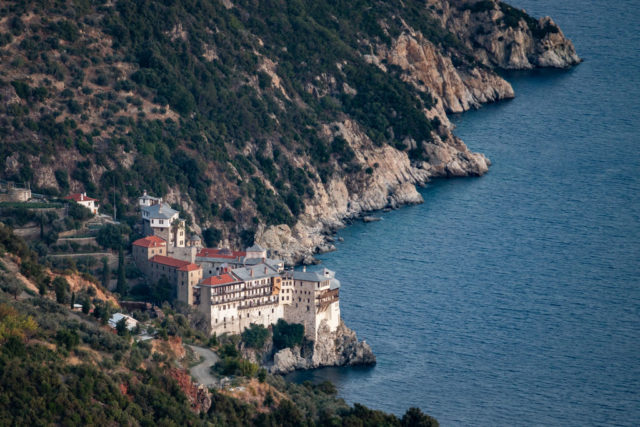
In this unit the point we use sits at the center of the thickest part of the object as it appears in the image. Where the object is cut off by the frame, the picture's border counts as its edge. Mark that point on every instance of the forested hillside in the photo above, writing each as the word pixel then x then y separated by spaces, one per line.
pixel 232 109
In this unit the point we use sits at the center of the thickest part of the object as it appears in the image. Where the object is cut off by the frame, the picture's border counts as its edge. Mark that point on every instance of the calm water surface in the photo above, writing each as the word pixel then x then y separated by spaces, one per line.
pixel 514 299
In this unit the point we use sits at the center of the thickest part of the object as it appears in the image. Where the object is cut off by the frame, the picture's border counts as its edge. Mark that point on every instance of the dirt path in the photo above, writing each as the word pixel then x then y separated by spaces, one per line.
pixel 201 372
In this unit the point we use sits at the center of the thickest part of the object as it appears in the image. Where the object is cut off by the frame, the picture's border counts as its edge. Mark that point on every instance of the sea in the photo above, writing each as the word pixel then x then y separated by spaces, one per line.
pixel 514 298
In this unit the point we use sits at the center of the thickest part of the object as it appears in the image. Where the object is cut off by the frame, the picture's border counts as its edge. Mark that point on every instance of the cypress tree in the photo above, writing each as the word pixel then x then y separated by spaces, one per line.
pixel 121 286
pixel 106 273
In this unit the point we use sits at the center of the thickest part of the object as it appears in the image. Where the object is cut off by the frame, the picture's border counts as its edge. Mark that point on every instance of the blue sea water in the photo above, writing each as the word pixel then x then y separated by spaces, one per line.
pixel 514 299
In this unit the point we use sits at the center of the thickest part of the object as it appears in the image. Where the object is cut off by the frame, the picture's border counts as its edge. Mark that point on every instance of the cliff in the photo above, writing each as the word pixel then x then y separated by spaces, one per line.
pixel 339 348
pixel 502 36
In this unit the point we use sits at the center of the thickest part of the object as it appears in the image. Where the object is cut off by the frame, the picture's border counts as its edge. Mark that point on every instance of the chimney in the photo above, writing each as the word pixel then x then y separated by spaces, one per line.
pixel 265 269
pixel 251 272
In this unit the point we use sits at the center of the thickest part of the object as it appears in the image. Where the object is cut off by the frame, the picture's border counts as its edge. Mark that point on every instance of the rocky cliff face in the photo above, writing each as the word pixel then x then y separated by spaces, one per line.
pixel 497 40
pixel 429 70
pixel 340 348
pixel 501 36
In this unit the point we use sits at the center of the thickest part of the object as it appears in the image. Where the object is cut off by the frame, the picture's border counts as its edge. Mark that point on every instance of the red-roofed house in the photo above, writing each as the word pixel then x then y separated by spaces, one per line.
pixel 87 202
pixel 223 279
pixel 145 248
pixel 183 274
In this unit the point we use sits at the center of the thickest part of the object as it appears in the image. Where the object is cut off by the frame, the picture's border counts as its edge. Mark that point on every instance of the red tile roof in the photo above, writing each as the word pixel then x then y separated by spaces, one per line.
pixel 168 261
pixel 190 267
pixel 175 263
pixel 80 197
pixel 223 279
pixel 150 242
pixel 218 253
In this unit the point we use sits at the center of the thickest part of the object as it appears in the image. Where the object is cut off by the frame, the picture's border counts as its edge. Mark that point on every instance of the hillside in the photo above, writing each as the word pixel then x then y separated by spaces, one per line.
pixel 272 121
pixel 60 366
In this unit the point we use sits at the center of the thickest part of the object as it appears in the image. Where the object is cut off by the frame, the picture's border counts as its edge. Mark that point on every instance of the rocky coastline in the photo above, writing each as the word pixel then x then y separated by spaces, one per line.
pixel 338 348
pixel 394 177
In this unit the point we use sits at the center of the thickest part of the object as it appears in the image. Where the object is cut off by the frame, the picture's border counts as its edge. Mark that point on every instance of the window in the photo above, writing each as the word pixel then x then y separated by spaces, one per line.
pixel 307 308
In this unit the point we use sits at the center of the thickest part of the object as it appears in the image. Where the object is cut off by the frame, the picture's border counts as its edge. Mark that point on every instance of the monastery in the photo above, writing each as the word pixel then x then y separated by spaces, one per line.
pixel 232 289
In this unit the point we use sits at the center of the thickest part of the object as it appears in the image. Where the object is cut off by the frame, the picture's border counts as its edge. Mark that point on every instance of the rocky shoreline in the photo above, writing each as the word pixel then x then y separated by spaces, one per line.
pixel 339 348
pixel 393 177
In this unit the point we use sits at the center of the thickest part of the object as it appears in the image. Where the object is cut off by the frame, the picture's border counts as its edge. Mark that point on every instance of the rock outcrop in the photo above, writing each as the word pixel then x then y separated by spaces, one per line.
pixel 340 348
pixel 499 35
pixel 429 70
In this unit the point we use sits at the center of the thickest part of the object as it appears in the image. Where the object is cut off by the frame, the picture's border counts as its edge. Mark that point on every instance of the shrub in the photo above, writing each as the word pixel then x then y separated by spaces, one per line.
pixel 61 287
pixel 287 334
pixel 211 237
pixel 67 338
pixel 110 236
pixel 79 212
pixel 255 336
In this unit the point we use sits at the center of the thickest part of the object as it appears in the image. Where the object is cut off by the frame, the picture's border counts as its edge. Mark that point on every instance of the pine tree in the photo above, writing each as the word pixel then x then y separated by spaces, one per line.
pixel 73 299
pixel 121 286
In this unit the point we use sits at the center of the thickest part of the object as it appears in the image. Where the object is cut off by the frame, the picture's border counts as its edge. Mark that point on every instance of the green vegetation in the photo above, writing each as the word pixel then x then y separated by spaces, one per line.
pixel 30 205
pixel 111 236
pixel 255 336
pixel 513 16
pixel 287 334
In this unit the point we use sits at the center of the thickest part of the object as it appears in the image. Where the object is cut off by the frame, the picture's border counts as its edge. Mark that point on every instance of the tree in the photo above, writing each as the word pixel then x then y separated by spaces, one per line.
pixel 11 285
pixel 175 226
pixel 67 338
pixel 86 305
pixel 121 327
pixel 121 286
pixel 102 311
pixel 110 236
pixel 287 334
pixel 255 336
pixel 60 286
pixel 163 291
pixel 415 417
pixel 42 285
pixel 73 300
pixel 211 237
pixel 78 212
pixel 262 375
pixel 106 273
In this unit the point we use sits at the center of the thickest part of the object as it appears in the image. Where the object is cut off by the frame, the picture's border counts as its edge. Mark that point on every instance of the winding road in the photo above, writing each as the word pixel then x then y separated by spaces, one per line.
pixel 201 372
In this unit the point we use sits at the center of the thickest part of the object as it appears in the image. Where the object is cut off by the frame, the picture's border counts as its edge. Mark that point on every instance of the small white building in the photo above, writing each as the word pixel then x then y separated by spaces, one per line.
pixel 131 322
pixel 147 200
pixel 87 202
pixel 161 220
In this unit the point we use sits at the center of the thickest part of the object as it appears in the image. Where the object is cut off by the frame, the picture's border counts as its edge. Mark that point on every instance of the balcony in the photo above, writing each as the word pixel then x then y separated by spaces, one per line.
pixel 253 304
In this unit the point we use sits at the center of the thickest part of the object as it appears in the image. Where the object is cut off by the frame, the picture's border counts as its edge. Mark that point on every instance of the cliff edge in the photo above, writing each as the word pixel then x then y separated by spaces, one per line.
pixel 339 348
